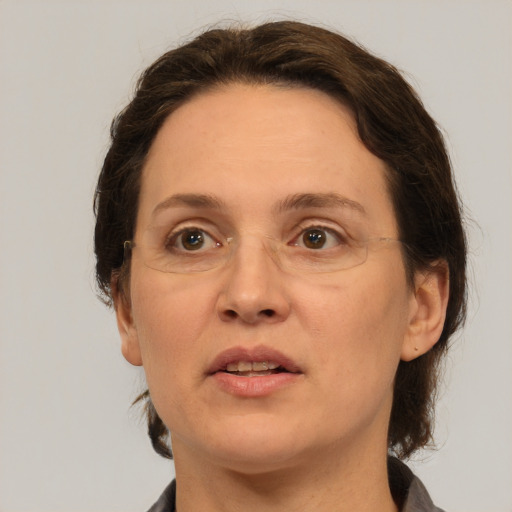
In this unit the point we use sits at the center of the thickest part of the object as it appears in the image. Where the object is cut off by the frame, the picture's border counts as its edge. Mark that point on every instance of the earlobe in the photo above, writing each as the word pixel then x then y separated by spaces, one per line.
pixel 129 338
pixel 427 311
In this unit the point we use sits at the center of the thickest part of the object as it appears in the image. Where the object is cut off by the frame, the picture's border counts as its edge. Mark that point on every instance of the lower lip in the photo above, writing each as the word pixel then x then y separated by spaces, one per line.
pixel 254 386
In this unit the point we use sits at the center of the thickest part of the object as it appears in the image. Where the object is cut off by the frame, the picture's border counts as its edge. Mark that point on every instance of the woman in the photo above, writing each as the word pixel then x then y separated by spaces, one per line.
pixel 279 233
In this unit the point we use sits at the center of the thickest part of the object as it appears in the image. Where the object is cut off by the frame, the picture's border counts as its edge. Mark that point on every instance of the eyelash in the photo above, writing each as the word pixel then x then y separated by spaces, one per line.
pixel 340 238
pixel 173 238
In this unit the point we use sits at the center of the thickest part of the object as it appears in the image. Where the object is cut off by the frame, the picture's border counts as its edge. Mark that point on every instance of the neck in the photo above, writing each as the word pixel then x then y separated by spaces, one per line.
pixel 321 482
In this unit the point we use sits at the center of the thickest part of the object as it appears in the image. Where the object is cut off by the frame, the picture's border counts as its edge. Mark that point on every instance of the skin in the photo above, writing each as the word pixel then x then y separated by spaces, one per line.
pixel 251 147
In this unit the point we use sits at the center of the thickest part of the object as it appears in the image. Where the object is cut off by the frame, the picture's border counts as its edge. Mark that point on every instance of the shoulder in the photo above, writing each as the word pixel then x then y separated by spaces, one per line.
pixel 418 499
pixel 166 502
pixel 407 489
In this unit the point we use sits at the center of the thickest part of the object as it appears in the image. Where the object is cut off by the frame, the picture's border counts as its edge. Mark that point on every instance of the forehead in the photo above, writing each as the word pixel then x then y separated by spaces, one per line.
pixel 251 146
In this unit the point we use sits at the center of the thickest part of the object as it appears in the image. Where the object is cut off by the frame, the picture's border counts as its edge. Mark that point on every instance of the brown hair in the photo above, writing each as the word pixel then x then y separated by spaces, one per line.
pixel 392 123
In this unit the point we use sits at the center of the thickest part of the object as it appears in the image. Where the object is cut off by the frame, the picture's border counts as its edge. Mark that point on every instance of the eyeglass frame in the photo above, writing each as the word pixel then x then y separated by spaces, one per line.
pixel 129 245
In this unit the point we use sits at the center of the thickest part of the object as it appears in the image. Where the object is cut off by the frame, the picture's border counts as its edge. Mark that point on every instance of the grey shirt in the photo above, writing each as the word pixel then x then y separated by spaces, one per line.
pixel 407 490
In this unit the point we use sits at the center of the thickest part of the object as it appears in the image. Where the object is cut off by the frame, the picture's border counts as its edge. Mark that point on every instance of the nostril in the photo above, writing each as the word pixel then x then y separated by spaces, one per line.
pixel 268 312
pixel 230 313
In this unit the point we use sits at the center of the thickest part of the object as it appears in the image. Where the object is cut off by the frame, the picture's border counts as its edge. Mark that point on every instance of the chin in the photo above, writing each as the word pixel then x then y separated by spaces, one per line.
pixel 255 460
pixel 252 445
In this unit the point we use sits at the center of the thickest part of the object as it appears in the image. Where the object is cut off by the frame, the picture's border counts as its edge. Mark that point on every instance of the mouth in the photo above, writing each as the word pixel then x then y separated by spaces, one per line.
pixel 256 362
pixel 254 368
pixel 253 373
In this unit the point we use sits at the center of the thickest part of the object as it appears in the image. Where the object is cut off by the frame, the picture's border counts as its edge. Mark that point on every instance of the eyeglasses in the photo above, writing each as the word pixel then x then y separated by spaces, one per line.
pixel 316 250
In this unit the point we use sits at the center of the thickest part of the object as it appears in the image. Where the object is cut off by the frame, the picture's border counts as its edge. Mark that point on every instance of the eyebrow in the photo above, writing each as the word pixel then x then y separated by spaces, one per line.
pixel 190 200
pixel 292 202
pixel 320 200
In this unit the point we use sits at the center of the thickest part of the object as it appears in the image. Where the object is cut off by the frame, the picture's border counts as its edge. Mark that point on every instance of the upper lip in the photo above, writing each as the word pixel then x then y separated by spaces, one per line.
pixel 255 354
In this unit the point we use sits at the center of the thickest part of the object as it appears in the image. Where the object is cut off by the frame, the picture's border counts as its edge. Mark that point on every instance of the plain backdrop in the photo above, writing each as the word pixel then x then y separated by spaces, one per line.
pixel 69 441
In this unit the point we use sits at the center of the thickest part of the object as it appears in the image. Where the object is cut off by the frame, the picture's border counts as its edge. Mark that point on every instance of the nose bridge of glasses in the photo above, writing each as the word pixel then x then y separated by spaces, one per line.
pixel 251 246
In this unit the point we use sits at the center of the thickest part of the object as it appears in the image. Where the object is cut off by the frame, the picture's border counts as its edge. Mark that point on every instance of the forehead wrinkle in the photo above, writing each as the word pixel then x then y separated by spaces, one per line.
pixel 318 200
pixel 191 200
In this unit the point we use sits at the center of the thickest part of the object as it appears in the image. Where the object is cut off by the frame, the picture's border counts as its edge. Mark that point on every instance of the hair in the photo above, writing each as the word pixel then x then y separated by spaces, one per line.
pixel 392 123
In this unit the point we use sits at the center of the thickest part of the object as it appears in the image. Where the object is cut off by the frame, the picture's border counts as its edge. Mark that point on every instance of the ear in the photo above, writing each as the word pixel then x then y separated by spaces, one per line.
pixel 427 311
pixel 130 347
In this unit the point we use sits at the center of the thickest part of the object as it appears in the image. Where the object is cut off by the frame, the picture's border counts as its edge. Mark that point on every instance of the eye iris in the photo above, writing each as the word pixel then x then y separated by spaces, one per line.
pixel 192 240
pixel 314 239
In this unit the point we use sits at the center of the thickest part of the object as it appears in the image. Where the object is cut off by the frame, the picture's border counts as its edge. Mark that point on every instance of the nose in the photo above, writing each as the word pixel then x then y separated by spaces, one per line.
pixel 254 288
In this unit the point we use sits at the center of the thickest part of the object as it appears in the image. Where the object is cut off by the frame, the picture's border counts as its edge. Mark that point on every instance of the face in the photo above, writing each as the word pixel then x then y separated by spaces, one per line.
pixel 267 177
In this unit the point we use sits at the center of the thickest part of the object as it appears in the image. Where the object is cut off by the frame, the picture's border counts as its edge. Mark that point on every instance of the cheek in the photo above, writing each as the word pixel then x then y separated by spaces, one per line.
pixel 352 327
pixel 359 322
pixel 169 315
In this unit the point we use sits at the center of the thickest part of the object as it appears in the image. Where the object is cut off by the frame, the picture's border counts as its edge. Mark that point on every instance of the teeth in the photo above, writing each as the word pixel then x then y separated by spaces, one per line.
pixel 259 367
pixel 248 366
pixel 244 366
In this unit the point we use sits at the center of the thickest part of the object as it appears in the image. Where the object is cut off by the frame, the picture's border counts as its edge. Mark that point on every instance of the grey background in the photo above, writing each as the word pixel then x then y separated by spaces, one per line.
pixel 68 439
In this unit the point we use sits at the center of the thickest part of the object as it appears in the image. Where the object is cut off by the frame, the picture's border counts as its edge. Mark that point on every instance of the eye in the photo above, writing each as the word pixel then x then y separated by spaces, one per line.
pixel 318 237
pixel 191 239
